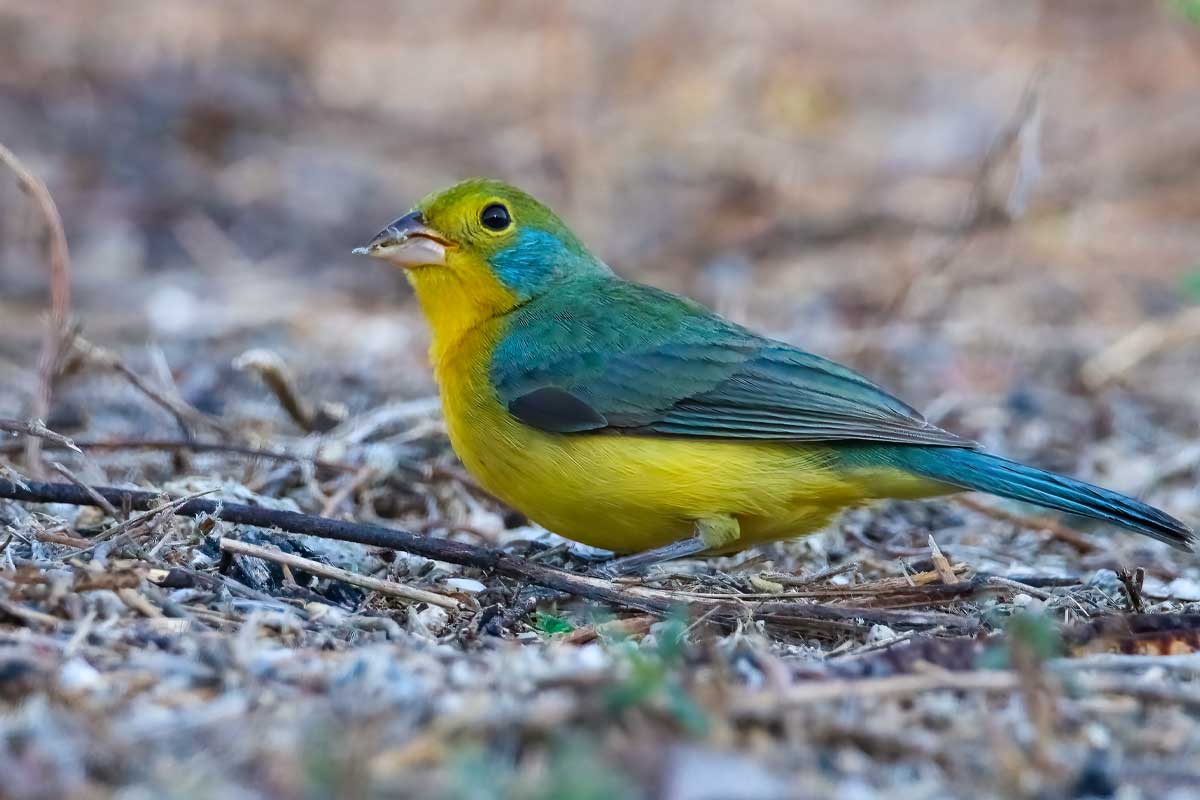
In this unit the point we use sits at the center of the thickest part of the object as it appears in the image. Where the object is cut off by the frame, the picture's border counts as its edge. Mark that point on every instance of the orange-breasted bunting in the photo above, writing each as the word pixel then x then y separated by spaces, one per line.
pixel 631 419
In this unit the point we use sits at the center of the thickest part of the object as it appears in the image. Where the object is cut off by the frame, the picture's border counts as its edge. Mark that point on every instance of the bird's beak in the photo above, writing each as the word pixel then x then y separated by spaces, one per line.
pixel 408 242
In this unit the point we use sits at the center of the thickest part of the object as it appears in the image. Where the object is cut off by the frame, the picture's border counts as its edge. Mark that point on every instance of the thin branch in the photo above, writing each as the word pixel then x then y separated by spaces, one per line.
pixel 391 588
pixel 101 501
pixel 820 618
pixel 58 331
pixel 1001 582
pixel 978 211
pixel 11 474
pixel 28 615
pixel 273 371
pixel 153 510
pixel 1145 341
pixel 185 415
pixel 822 576
pixel 349 488
pixel 36 428
pixel 630 626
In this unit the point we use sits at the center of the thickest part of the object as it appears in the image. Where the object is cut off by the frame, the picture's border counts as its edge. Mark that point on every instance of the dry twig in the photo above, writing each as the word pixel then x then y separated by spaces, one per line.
pixel 37 428
pixel 273 371
pixel 28 615
pixel 154 511
pixel 941 563
pixel 630 626
pixel 820 576
pixel 100 499
pixel 769 705
pixel 391 588
pixel 346 490
pixel 978 212
pixel 766 705
pixel 1131 581
pixel 185 415
pixel 1145 341
pixel 58 331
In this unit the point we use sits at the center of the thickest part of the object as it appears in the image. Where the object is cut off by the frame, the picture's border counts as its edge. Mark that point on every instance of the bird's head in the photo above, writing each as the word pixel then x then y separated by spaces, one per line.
pixel 481 248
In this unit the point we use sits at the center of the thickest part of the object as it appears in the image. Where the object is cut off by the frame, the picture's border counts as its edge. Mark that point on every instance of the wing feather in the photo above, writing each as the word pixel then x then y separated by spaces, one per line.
pixel 627 358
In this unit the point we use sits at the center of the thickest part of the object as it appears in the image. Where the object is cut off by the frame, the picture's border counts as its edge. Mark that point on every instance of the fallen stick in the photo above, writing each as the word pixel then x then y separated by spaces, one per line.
pixel 185 415
pixel 273 371
pixel 36 429
pixel 1143 342
pixel 336 573
pixel 92 493
pixel 633 626
pixel 28 615
pixel 812 616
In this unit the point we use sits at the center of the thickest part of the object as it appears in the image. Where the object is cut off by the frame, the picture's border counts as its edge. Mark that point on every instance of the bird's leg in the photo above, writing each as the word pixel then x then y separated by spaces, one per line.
pixel 712 533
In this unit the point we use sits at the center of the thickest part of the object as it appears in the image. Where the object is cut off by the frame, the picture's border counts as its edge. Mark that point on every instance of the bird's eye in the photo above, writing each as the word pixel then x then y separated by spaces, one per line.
pixel 495 217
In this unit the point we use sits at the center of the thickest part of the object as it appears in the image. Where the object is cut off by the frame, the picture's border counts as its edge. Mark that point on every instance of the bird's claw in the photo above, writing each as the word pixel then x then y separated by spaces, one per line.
pixel 711 533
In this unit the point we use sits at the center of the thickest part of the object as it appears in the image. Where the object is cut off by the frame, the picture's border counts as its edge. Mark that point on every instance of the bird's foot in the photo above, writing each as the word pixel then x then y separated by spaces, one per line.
pixel 712 533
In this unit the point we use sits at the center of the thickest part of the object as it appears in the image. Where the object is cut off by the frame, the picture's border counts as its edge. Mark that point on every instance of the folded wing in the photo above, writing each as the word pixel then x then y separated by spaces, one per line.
pixel 620 357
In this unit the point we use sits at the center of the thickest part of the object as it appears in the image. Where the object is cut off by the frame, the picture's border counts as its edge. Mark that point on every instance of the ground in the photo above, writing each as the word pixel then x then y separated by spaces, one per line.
pixel 990 208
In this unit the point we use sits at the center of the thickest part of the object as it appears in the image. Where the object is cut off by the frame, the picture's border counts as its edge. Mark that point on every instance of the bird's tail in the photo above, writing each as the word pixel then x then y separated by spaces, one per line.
pixel 978 471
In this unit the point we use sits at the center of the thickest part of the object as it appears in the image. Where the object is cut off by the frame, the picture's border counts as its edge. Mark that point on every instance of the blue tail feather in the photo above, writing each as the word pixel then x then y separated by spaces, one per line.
pixel 979 471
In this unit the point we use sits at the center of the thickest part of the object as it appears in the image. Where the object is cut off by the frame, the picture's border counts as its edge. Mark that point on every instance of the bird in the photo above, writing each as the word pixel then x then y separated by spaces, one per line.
pixel 631 419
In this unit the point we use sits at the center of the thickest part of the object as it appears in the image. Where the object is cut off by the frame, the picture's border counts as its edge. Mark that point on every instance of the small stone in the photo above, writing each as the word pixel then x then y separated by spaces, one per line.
pixel 880 633
pixel 1184 589
pixel 766 586
pixel 462 675
pixel 434 618
pixel 327 614
pixel 695 774
pixel 469 585
pixel 78 676
pixel 1022 600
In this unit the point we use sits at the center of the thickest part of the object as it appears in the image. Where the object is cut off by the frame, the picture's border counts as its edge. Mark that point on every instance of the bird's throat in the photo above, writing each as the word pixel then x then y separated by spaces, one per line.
pixel 457 302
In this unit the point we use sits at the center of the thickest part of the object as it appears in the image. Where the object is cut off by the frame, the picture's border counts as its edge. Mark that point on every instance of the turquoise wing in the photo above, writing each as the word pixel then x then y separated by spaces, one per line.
pixel 615 356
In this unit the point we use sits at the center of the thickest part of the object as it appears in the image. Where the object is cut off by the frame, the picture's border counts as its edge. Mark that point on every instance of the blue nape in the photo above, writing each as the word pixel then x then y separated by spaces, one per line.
pixel 537 258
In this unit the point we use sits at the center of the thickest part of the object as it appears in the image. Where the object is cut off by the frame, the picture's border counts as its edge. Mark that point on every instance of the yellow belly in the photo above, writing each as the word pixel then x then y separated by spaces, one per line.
pixel 629 493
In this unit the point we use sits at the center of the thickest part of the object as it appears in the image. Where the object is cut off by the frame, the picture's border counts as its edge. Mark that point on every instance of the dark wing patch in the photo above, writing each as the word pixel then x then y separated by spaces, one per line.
pixel 556 410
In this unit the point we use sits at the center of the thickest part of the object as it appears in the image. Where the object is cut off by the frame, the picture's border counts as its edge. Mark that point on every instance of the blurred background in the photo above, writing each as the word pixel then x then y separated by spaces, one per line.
pixel 797 166
pixel 992 208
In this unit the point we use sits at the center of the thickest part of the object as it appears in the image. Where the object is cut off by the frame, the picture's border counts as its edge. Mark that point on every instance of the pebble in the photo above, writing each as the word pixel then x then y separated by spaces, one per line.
pixel 880 633
pixel 469 585
pixel 77 675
